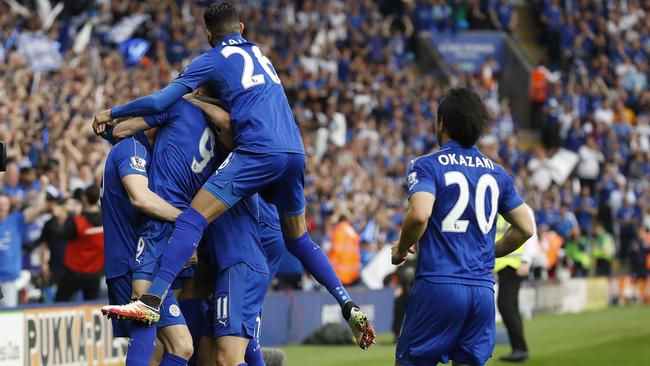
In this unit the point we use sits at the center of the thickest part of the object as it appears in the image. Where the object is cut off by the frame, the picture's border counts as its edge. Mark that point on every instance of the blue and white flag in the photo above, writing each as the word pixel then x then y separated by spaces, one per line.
pixel 125 28
pixel 41 53
pixel 133 50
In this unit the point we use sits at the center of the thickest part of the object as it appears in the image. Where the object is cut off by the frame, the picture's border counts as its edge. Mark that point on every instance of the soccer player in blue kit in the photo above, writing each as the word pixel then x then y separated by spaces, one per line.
pixel 269 158
pixel 126 201
pixel 185 155
pixel 455 195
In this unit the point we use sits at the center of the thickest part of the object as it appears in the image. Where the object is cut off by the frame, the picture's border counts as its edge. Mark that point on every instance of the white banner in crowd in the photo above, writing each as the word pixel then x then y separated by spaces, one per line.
pixel 373 273
pixel 41 53
pixel 125 28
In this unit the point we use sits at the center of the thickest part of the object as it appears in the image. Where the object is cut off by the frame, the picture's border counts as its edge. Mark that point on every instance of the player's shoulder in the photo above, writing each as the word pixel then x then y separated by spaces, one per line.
pixel 135 145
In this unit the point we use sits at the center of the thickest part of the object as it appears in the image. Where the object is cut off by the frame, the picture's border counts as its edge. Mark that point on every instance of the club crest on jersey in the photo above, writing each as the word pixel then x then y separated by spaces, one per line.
pixel 412 179
pixel 174 310
pixel 138 163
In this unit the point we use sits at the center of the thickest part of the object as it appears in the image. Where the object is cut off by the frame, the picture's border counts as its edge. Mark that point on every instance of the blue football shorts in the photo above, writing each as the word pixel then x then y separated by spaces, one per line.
pixel 278 177
pixel 153 241
pixel 119 293
pixel 447 322
pixel 236 306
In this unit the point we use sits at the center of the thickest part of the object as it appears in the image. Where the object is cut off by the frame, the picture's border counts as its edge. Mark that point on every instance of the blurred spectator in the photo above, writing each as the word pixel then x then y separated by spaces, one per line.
pixel 586 209
pixel 84 252
pixel 640 252
pixel 345 254
pixel 12 229
pixel 603 250
pixel 590 159
pixel 504 16
pixel 628 217
pixel 52 263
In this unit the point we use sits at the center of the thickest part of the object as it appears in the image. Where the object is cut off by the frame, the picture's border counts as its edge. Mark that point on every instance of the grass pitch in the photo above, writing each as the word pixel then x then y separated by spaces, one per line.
pixel 616 336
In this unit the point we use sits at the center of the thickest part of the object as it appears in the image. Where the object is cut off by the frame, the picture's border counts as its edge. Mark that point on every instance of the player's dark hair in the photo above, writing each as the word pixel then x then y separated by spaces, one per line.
pixel 92 194
pixel 463 115
pixel 221 19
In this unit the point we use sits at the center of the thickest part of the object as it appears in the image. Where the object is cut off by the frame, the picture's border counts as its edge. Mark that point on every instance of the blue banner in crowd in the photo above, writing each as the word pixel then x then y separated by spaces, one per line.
pixel 41 53
pixel 469 50
pixel 290 316
pixel 133 49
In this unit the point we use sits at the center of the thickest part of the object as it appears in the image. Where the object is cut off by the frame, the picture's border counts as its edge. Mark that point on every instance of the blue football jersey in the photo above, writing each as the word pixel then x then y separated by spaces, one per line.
pixel 183 155
pixel 469 190
pixel 234 237
pixel 250 90
pixel 269 215
pixel 121 220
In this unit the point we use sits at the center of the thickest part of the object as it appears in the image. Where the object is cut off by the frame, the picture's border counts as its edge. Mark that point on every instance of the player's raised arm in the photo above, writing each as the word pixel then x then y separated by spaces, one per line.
pixel 521 229
pixel 197 73
pixel 217 116
pixel 130 127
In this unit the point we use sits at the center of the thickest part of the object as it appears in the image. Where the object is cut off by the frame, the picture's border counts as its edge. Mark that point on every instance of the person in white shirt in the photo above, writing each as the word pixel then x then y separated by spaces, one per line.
pixel 590 160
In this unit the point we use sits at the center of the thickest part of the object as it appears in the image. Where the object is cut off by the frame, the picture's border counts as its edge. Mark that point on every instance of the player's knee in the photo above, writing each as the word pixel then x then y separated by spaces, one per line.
pixel 184 350
pixel 180 346
pixel 228 356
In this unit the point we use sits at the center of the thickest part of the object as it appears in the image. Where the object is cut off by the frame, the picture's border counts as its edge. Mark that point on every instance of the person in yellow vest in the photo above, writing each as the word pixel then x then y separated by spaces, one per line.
pixel 510 271
pixel 345 254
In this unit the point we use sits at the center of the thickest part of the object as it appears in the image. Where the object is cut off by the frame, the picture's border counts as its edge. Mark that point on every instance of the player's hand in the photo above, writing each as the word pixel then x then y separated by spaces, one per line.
pixel 398 257
pixel 194 260
pixel 189 96
pixel 101 120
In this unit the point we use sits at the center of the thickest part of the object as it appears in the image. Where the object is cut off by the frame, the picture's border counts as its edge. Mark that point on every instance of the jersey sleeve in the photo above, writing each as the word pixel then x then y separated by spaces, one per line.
pixel 420 178
pixel 509 199
pixel 197 73
pixel 132 159
pixel 157 119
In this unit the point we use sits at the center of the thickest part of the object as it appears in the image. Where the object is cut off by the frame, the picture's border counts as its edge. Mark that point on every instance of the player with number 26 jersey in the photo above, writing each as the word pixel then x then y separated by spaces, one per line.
pixel 242 77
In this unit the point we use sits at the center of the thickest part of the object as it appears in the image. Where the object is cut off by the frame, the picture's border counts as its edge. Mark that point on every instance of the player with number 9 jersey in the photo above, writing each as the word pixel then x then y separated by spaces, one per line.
pixel 454 197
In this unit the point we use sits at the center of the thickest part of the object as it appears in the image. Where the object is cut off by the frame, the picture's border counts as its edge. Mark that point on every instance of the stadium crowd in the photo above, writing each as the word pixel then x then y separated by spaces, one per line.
pixel 364 109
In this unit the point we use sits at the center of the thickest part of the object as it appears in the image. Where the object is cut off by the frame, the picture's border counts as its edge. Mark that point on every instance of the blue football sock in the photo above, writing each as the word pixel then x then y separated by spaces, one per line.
pixel 141 345
pixel 189 229
pixel 242 364
pixel 254 353
pixel 316 262
pixel 170 359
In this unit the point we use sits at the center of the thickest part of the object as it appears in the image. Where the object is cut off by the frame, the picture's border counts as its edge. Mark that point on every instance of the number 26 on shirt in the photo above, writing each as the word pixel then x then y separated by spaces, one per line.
pixel 248 80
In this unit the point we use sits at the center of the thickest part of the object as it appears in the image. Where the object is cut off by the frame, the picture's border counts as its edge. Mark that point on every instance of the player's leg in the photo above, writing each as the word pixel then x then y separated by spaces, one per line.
pixel 253 356
pixel 289 197
pixel 174 334
pixel 188 231
pixel 231 350
pixel 207 352
pixel 241 175
pixel 142 337
pixel 235 309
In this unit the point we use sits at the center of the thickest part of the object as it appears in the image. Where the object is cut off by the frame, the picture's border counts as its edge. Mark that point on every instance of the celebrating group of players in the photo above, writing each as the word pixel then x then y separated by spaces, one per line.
pixel 170 185
pixel 214 163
